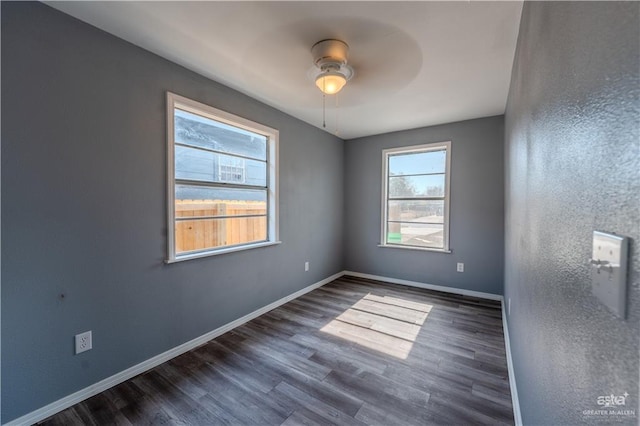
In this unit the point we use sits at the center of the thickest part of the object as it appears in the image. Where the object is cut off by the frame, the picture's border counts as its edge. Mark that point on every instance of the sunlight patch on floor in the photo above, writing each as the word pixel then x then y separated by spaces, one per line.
pixel 386 324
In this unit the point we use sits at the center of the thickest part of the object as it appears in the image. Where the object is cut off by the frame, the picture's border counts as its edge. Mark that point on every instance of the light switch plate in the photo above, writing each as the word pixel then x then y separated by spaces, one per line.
pixel 609 271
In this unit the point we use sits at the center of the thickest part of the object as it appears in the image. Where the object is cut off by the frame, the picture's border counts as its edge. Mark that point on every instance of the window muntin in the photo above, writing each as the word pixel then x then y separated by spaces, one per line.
pixel 222 181
pixel 415 202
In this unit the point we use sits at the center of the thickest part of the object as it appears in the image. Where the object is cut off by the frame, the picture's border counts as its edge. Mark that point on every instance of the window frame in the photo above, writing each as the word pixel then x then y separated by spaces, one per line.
pixel 416 149
pixel 176 101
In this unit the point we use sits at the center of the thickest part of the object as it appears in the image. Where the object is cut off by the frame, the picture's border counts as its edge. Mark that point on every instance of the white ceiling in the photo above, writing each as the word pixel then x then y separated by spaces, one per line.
pixel 417 63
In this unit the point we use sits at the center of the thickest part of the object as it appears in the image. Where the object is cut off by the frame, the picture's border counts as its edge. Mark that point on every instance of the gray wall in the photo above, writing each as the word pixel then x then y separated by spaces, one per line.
pixel 477 208
pixel 572 166
pixel 83 209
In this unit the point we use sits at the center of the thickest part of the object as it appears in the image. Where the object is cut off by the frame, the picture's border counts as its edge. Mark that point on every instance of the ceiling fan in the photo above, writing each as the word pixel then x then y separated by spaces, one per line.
pixel 332 71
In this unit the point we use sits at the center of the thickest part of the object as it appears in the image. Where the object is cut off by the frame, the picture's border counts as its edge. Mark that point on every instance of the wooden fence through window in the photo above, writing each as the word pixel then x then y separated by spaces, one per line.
pixel 198 234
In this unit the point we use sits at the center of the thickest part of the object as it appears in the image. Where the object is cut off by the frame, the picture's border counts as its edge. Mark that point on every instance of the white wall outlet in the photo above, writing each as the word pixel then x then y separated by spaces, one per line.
pixel 306 266
pixel 460 267
pixel 83 342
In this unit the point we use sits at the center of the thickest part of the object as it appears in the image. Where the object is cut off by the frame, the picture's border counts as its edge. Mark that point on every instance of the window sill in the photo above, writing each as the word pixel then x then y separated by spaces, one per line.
pixel 222 251
pixel 437 250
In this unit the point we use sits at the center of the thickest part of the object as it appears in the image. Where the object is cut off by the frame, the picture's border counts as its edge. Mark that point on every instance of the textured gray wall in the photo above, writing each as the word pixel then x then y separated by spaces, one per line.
pixel 572 166
pixel 477 208
pixel 83 209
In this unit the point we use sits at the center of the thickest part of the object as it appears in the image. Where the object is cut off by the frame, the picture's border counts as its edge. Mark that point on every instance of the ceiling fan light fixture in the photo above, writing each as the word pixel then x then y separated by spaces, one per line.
pixel 331 82
pixel 330 59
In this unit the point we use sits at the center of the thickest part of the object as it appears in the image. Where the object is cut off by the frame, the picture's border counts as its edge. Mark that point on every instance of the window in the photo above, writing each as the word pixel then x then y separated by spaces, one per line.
pixel 415 199
pixel 222 181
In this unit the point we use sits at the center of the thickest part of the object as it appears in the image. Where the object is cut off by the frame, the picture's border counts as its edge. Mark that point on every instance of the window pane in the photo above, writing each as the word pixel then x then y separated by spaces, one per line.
pixel 195 130
pixel 203 201
pixel 417 163
pixel 416 186
pixel 206 208
pixel 211 233
pixel 255 173
pixel 196 164
pixel 431 211
pixel 415 234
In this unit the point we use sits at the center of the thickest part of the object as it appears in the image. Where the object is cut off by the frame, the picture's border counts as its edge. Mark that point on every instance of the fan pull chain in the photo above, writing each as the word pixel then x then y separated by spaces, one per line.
pixel 337 116
pixel 324 104
pixel 324 111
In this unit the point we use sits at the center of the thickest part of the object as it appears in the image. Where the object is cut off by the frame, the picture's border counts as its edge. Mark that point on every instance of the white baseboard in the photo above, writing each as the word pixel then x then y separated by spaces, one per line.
pixel 517 416
pixel 109 382
pixel 444 289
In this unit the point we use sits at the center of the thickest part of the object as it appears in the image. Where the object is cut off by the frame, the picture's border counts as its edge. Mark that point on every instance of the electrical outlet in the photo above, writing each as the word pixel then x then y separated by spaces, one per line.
pixel 83 342
pixel 460 267
pixel 306 266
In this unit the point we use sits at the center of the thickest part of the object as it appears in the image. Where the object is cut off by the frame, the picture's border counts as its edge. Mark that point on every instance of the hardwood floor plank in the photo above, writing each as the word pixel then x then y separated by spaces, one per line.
pixel 478 376
pixel 430 381
pixel 490 394
pixel 397 301
pixel 371 414
pixel 483 356
pixel 145 411
pixel 371 339
pixel 66 417
pixel 261 353
pixel 321 391
pixel 264 328
pixel 469 410
pixel 305 417
pixel 353 352
pixel 238 368
pixel 303 378
pixel 374 388
pixel 246 405
pixel 234 412
pixel 328 346
pixel 182 380
pixel 329 413
pixel 383 324
pixel 391 311
pixel 123 394
pixel 179 406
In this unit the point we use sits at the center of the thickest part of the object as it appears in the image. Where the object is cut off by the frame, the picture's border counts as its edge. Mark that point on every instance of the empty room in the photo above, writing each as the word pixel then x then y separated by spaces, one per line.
pixel 317 213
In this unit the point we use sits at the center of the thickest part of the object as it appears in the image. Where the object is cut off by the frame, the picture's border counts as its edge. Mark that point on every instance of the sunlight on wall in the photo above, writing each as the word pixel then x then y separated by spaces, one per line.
pixel 386 324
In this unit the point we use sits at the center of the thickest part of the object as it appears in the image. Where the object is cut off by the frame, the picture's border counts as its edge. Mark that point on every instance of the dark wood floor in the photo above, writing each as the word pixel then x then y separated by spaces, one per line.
pixel 353 352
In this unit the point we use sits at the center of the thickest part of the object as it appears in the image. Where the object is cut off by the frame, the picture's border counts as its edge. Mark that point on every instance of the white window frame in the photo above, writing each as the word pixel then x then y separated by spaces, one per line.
pixel 415 149
pixel 272 135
